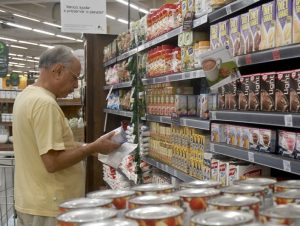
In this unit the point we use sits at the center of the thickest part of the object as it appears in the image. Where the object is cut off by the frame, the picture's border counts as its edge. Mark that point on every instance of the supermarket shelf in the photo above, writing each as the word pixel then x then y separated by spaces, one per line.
pixel 199 21
pixel 119 112
pixel 6 123
pixel 69 102
pixel 263 118
pixel 5 100
pixel 7 154
pixel 281 53
pixel 6 147
pixel 273 161
pixel 110 62
pixel 230 9
pixel 157 118
pixel 118 85
pixel 168 169
pixel 175 77
pixel 127 54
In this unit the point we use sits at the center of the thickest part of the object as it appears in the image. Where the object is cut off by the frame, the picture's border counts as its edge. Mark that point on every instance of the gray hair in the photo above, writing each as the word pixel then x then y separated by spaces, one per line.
pixel 58 55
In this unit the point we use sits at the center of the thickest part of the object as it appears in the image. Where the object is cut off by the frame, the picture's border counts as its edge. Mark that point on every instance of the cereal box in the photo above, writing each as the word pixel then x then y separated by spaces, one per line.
pixel 239 132
pixel 245 138
pixel 254 92
pixel 296 21
pixel 282 93
pixel 235 35
pixel 191 105
pixel 207 159
pixel 221 98
pixel 255 28
pixel 267 91
pixel 214 36
pixel 254 139
pixel 267 140
pixel 215 169
pixel 245 47
pixel 295 91
pixel 218 133
pixel 223 172
pixel 243 93
pixel 268 26
pixel 231 135
pixel 287 143
pixel 283 22
pixel 203 105
pixel 181 105
pixel 224 33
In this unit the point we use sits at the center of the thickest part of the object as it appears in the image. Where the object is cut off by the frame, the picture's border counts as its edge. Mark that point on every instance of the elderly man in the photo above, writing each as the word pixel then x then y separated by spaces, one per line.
pixel 48 167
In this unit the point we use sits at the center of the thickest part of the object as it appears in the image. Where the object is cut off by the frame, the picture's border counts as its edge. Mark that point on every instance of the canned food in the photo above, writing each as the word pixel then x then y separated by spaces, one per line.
pixel 258 181
pixel 80 216
pixel 259 224
pixel 82 203
pixel 147 189
pixel 282 214
pixel 286 185
pixel 285 197
pixel 222 218
pixel 161 199
pixel 157 215
pixel 113 222
pixel 231 202
pixel 200 184
pixel 120 197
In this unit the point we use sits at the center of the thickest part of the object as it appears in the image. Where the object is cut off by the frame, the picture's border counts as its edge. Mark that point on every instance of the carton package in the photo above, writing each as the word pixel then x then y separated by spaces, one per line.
pixel 191 5
pixel 295 91
pixel 245 138
pixel 245 45
pixel 181 105
pixel 254 92
pixel 191 105
pixel 254 139
pixel 243 93
pixel 267 91
pixel 231 96
pixel 221 98
pixel 203 105
pixel 224 33
pixel 235 35
pixel 215 169
pixel 212 102
pixel 207 159
pixel 214 36
pixel 282 93
pixel 255 28
pixel 296 21
pixel 287 143
pixel 267 141
pixel 283 22
pixel 297 153
pixel 223 172
pixel 218 133
pixel 268 35
pixel 184 7
pixel 231 133
pixel 239 133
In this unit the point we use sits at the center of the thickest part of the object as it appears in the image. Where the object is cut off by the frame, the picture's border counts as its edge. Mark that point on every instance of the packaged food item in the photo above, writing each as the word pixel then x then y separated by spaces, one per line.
pixel 255 28
pixel 282 93
pixel 235 35
pixel 191 105
pixel 284 22
pixel 223 172
pixel 231 96
pixel 245 42
pixel 231 135
pixel 224 33
pixel 214 37
pixel 267 140
pixel 184 7
pixel 82 203
pixel 295 91
pixel 245 138
pixel 267 91
pixel 153 189
pixel 287 185
pixel 120 133
pixel 181 105
pixel 254 139
pixel 268 35
pixel 221 98
pixel 296 21
pixel 147 200
pixel 215 169
pixel 218 133
pixel 286 197
pixel 254 92
pixel 202 7
pixel 203 106
pixel 287 143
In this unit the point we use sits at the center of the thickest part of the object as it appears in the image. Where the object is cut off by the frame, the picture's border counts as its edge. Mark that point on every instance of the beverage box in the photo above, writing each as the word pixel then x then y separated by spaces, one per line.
pixel 254 92
pixel 267 91
pixel 267 141
pixel 268 36
pixel 284 18
pixel 282 93
pixel 287 143
pixel 295 91
pixel 243 93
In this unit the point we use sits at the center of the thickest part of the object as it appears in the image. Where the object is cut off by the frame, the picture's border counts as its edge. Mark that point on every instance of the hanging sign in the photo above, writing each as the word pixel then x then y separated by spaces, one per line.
pixel 3 59
pixel 83 16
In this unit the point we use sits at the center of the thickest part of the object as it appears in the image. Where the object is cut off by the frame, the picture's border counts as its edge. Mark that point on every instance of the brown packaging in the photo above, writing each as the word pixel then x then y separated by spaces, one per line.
pixel 243 93
pixel 282 92
pixel 221 98
pixel 231 96
pixel 254 92
pixel 295 91
pixel 267 92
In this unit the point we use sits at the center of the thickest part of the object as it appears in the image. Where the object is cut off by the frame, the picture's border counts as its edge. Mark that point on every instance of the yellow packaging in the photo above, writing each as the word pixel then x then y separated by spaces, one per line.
pixel 296 21
pixel 283 22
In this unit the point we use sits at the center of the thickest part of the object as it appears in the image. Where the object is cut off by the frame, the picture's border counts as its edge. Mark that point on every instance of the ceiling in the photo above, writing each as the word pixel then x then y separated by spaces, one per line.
pixel 49 11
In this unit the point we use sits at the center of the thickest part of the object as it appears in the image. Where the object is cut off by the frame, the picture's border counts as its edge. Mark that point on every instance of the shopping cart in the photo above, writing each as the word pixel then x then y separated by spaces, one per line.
pixel 7 211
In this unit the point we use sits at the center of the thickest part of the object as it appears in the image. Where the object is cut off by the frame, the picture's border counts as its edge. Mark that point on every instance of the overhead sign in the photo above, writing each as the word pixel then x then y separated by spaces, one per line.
pixel 3 59
pixel 83 16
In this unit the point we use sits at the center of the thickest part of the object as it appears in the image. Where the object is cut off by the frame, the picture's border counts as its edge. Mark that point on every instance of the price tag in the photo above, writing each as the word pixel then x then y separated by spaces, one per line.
pixel 248 59
pixel 276 54
pixel 212 147
pixel 187 75
pixel 204 19
pixel 228 10
pixel 286 166
pixel 251 156
pixel 111 88
pixel 288 120
pixel 213 115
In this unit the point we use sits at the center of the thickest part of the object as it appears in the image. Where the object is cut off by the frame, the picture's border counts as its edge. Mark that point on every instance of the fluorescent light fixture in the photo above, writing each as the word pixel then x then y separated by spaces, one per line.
pixel 65 37
pixel 134 6
pixel 34 71
pixel 19 26
pixel 110 17
pixel 43 32
pixel 12 54
pixel 123 2
pixel 143 10
pixel 16 58
pixel 34 61
pixel 46 46
pixel 25 17
pixel 17 71
pixel 18 47
pixel 79 40
pixel 2 11
pixel 19 55
pixel 29 43
pixel 123 21
pixel 8 39
pixel 37 58
pixel 16 65
pixel 30 57
pixel 51 24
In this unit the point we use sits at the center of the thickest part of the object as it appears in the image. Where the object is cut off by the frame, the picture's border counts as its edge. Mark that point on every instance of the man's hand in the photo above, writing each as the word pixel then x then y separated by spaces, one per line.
pixel 104 145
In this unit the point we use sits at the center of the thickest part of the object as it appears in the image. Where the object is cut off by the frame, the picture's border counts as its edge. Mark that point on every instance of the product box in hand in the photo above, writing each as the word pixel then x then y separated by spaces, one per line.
pixel 181 105
pixel 224 33
pixel 254 139
pixel 218 133
pixel 284 21
pixel 282 93
pixel 296 21
pixel 268 23
pixel 267 141
pixel 287 143
pixel 231 96
pixel 221 98
pixel 191 105
pixel 243 93
pixel 295 91
pixel 255 28
pixel 214 36
pixel 267 91
pixel 245 45
pixel 235 35
pixel 254 92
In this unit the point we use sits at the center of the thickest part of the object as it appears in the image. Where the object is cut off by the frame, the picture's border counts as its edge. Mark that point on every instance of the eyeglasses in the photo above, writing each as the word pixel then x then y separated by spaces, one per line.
pixel 75 76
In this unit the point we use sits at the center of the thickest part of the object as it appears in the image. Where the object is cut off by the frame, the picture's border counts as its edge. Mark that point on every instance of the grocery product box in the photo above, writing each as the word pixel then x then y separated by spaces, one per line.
pixel 221 98
pixel 224 33
pixel 267 141
pixel 296 21
pixel 295 91
pixel 191 105
pixel 215 169
pixel 268 35
pixel 297 153
pixel 287 143
pixel 245 48
pixel 203 106
pixel 231 135
pixel 255 28
pixel 254 139
pixel 254 92
pixel 214 36
pixel 218 133
pixel 239 133
pixel 243 93
pixel 190 37
pixel 235 35
pixel 184 7
pixel 191 5
pixel 231 96
pixel 283 22
pixel 223 172
pixel 181 105
pixel 282 93
pixel 245 138
pixel 267 91
pixel 207 160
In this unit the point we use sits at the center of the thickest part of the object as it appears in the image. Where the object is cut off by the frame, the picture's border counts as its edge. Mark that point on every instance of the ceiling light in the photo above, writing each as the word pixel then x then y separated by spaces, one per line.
pixel 2 11
pixel 110 17
pixel 143 10
pixel 25 17
pixel 79 40
pixel 123 2
pixel 19 47
pixel 47 46
pixel 123 21
pixel 65 37
pixel 134 6
pixel 34 71
pixel 8 39
pixel 17 71
pixel 29 43
pixel 30 57
pixel 16 65
pixel 16 58
pixel 43 32
pixel 37 58
pixel 53 25
pixel 34 61
pixel 20 55
pixel 19 26
pixel 12 54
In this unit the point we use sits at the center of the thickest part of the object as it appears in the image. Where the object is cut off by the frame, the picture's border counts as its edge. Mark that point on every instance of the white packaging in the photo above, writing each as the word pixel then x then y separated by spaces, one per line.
pixel 223 172
pixel 215 169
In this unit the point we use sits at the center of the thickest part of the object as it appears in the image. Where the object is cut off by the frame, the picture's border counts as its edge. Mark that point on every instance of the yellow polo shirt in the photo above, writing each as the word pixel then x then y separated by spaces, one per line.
pixel 39 125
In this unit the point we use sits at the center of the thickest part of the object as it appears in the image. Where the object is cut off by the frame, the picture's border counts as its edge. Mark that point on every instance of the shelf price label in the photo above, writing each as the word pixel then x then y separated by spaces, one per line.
pixel 248 59
pixel 286 165
pixel 288 120
pixel 250 156
pixel 213 115
pixel 276 54
pixel 228 9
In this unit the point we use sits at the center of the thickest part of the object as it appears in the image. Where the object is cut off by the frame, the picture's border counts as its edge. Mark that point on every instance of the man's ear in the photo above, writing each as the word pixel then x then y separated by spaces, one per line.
pixel 57 69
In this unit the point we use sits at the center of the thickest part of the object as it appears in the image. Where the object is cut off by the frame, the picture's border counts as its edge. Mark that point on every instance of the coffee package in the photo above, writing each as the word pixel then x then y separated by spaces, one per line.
pixel 214 37
pixel 295 91
pixel 181 105
pixel 243 93
pixel 221 98
pixel 267 91
pixel 224 33
pixel 203 105
pixel 282 93
pixel 267 141
pixel 287 143
pixel 296 21
pixel 245 45
pixel 255 28
pixel 191 105
pixel 254 139
pixel 231 96
pixel 235 35
pixel 283 22
pixel 297 153
pixel 254 92
pixel 268 26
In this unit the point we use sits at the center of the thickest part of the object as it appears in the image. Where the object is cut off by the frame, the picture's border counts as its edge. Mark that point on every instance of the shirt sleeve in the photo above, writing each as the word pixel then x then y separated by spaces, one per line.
pixel 48 127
